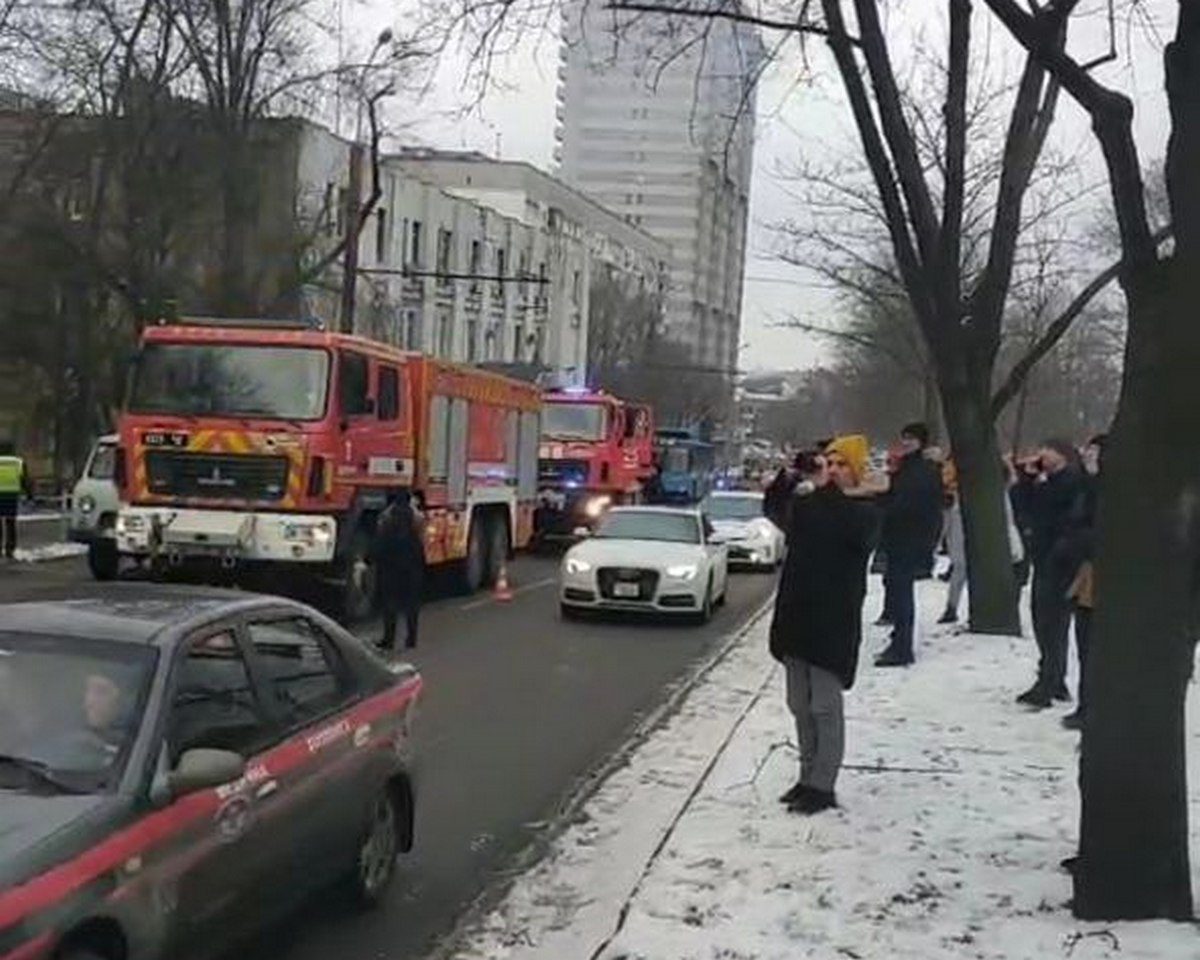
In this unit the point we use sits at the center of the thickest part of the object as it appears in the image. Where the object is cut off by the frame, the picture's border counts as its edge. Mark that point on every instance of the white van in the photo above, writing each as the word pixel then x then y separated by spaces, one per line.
pixel 94 505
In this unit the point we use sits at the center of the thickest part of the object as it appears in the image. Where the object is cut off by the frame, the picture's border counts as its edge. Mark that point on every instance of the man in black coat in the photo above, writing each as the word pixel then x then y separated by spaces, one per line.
pixel 1047 500
pixel 912 524
pixel 817 628
pixel 398 554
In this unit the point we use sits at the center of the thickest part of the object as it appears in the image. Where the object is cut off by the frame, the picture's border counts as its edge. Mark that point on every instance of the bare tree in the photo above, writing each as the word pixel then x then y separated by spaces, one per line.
pixel 1134 826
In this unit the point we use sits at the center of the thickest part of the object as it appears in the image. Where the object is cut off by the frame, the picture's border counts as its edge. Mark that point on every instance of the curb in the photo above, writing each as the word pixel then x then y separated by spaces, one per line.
pixel 587 785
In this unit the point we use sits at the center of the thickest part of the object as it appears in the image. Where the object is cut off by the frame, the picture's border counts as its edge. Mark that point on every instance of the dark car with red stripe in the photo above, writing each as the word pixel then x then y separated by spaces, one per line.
pixel 177 766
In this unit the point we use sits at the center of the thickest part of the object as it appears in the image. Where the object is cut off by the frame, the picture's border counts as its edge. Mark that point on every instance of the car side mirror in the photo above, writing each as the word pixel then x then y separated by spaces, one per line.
pixel 581 532
pixel 201 768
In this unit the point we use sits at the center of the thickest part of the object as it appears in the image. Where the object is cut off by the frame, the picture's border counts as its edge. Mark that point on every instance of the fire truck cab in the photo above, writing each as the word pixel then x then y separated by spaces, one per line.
pixel 596 451
pixel 276 445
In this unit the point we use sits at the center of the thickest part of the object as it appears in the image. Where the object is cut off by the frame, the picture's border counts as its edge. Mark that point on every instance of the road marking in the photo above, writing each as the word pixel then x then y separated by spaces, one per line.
pixel 485 600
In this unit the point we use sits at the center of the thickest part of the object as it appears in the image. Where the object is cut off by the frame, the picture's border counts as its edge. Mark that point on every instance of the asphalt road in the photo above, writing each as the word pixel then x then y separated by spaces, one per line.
pixel 518 707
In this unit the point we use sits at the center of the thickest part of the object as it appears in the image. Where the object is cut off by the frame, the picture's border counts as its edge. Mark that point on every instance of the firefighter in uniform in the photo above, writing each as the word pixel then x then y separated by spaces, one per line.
pixel 13 482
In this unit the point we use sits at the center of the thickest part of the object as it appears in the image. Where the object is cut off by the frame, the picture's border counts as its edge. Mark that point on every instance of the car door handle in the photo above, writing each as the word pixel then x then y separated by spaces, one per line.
pixel 266 789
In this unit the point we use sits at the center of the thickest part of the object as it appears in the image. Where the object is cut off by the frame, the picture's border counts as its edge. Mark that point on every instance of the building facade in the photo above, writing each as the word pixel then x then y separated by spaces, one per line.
pixel 660 130
pixel 471 259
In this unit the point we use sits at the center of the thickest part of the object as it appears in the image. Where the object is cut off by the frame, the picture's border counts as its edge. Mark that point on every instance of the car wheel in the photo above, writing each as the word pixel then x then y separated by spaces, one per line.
pixel 104 561
pixel 706 611
pixel 375 863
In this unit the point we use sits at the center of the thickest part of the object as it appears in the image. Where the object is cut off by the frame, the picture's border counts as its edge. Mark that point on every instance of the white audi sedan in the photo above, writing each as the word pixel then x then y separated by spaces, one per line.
pixel 646 559
pixel 738 521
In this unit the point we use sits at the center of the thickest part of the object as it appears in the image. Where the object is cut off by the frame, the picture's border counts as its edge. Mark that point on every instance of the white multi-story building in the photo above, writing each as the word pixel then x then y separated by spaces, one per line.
pixel 660 130
pixel 475 260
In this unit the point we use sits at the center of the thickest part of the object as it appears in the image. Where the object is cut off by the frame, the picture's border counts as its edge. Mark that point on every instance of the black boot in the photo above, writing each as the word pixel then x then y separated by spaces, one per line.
pixel 794 793
pixel 1035 696
pixel 950 616
pixel 814 801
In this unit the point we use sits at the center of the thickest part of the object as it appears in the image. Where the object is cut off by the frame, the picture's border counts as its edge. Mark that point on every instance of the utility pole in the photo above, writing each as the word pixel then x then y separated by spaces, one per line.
pixel 350 256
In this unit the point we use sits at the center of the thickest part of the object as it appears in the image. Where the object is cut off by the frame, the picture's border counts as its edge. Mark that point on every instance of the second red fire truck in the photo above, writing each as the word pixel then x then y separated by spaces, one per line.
pixel 596 451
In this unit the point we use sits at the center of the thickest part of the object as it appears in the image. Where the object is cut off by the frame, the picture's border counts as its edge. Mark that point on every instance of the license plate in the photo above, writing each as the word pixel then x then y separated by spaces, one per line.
pixel 165 438
pixel 627 590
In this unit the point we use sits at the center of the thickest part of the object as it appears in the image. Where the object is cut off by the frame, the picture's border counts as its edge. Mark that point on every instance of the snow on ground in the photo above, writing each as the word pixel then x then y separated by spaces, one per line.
pixel 49 551
pixel 957 806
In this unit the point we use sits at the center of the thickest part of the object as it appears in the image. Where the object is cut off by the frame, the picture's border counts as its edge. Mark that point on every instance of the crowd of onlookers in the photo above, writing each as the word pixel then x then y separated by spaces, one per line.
pixel 837 514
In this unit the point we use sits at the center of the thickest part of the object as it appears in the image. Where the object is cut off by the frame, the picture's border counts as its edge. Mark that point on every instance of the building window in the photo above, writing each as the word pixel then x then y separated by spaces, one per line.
pixel 329 211
pixel 412 330
pixel 501 264
pixel 576 287
pixel 476 264
pixel 539 345
pixel 343 206
pixel 518 343
pixel 445 335
pixel 414 247
pixel 472 340
pixel 445 254
pixel 380 236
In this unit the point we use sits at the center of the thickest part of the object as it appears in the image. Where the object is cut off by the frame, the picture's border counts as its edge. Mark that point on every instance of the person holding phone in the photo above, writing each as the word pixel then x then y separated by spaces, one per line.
pixel 816 631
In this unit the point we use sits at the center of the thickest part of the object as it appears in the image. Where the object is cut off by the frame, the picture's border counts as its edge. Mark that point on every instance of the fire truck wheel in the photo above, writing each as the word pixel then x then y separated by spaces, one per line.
pixel 497 548
pixel 474 565
pixel 358 593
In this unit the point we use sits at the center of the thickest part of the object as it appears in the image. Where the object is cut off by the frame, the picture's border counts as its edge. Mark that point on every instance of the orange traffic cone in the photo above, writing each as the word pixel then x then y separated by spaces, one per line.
pixel 503 592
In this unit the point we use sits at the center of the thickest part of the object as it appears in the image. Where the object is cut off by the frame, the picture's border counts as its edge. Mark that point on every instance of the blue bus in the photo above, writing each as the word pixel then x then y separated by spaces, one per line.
pixel 686 465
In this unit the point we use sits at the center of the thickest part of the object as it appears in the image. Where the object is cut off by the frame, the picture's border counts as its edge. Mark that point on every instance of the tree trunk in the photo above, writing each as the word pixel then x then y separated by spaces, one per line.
pixel 932 404
pixel 982 489
pixel 1133 766
pixel 1134 825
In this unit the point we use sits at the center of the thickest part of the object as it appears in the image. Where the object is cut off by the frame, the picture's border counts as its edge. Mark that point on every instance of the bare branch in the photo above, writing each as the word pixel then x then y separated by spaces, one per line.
pixel 1112 121
pixel 1057 329
pixel 799 26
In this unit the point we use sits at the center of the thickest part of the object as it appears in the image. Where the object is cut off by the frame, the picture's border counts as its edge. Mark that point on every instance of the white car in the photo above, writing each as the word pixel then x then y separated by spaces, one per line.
pixel 650 559
pixel 738 521
pixel 95 502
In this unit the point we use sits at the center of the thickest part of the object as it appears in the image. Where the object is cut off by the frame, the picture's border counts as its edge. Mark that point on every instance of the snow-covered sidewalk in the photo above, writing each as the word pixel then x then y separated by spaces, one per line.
pixel 957 806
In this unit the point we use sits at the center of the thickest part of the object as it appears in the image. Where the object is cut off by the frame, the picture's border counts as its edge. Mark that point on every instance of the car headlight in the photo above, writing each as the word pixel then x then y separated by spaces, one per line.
pixel 130 523
pixel 320 532
pixel 87 504
pixel 597 505
pixel 683 571
pixel 575 565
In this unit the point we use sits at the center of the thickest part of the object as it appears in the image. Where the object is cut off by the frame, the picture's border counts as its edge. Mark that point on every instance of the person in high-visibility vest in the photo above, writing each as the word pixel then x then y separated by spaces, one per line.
pixel 13 482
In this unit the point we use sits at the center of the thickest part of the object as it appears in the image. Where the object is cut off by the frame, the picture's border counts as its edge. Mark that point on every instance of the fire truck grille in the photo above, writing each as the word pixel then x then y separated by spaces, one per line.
pixel 216 476
pixel 563 471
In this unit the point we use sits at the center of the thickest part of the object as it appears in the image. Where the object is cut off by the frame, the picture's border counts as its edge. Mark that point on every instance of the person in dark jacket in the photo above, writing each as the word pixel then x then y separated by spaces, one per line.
pixel 398 554
pixel 817 628
pixel 1082 589
pixel 1047 500
pixel 912 524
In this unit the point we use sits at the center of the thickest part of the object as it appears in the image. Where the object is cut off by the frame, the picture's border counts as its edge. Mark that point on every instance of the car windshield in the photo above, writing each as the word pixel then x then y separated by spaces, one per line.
pixel 69 710
pixel 574 421
pixel 649 525
pixel 235 380
pixel 733 508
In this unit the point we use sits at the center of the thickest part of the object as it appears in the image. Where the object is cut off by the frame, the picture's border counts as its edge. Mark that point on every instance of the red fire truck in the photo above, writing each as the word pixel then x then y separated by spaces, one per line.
pixel 597 450
pixel 275 445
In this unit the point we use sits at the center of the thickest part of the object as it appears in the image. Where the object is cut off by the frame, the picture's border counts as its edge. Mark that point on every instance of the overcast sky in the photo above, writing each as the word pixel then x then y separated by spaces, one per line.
pixel 798 116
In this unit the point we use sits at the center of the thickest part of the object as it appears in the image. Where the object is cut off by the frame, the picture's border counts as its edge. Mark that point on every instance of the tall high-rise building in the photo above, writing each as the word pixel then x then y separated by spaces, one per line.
pixel 656 122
